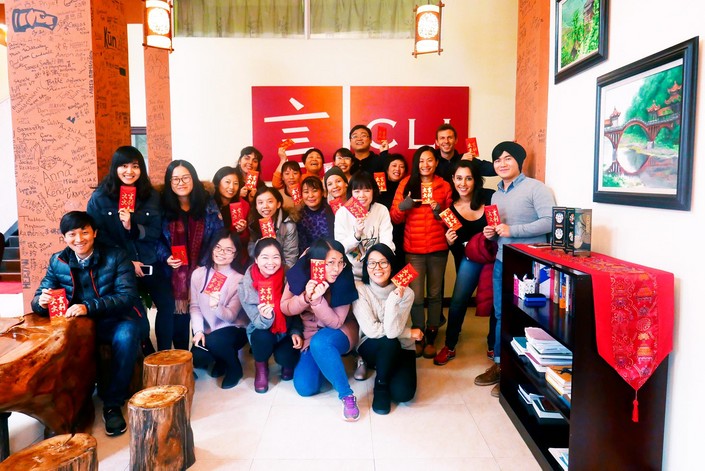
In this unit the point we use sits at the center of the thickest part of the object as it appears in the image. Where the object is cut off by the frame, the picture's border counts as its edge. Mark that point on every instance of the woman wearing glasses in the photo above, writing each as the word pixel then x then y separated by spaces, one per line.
pixel 346 161
pixel 216 314
pixel 191 219
pixel 383 312
pixel 329 329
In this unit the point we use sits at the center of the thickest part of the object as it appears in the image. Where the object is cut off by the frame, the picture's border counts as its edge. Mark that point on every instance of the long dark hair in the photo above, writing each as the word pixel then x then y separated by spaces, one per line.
pixel 476 197
pixel 223 172
pixel 235 264
pixel 255 216
pixel 247 151
pixel 414 183
pixel 126 155
pixel 198 197
pixel 384 250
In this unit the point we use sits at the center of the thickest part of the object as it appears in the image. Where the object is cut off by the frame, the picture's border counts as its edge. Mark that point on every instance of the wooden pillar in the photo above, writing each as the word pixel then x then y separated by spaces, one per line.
pixel 67 67
pixel 532 84
pixel 158 97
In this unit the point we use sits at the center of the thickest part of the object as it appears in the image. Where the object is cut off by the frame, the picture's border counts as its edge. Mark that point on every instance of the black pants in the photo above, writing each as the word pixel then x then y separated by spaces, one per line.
pixel 265 344
pixel 223 345
pixel 395 366
pixel 158 286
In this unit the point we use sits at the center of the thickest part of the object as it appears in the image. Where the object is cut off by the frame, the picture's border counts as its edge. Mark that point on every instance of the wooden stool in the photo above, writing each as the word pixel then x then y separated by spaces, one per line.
pixel 160 432
pixel 170 367
pixel 61 453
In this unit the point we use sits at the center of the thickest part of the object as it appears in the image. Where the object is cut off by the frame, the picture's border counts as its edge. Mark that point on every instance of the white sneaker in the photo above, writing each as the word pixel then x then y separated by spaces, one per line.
pixel 361 370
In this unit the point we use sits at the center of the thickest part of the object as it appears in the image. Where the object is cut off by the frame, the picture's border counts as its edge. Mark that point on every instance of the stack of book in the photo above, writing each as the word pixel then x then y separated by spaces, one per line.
pixel 542 407
pixel 561 455
pixel 560 378
pixel 519 345
pixel 543 351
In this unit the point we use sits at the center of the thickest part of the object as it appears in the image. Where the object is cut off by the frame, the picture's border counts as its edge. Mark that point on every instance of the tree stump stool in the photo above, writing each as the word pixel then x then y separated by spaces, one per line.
pixel 61 453
pixel 171 367
pixel 160 432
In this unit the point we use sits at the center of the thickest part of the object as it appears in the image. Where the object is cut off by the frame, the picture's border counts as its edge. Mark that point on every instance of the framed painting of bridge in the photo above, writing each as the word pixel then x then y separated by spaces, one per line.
pixel 644 130
pixel 580 36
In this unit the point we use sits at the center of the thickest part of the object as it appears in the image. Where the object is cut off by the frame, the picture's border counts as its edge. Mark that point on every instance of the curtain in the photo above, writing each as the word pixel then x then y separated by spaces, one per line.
pixel 363 18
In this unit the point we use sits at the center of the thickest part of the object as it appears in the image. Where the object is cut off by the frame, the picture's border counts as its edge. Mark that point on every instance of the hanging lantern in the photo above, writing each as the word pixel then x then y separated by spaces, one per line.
pixel 158 23
pixel 427 29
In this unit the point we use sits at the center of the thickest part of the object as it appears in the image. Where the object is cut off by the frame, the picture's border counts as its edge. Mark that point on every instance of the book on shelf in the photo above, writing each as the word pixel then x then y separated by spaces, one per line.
pixel 557 359
pixel 535 363
pixel 560 455
pixel 561 375
pixel 561 391
pixel 527 393
pixel 543 342
pixel 555 285
pixel 519 345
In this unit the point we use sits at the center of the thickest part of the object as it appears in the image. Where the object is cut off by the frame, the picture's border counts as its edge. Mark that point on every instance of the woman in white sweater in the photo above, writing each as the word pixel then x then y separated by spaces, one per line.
pixel 387 341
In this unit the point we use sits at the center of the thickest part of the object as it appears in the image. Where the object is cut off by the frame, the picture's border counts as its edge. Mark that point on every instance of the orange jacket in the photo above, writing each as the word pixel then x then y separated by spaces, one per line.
pixel 423 233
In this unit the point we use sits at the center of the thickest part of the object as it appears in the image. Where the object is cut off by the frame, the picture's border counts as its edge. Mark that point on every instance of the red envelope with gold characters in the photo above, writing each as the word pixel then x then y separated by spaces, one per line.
pixel 426 193
pixel 216 283
pixel 381 180
pixel 471 143
pixel 355 208
pixel 265 291
pixel 492 215
pixel 128 195
pixel 58 303
pixel 405 276
pixel 251 180
pixel 236 213
pixel 286 144
pixel 295 192
pixel 318 270
pixel 179 251
pixel 450 220
pixel 381 133
pixel 266 226
pixel 335 204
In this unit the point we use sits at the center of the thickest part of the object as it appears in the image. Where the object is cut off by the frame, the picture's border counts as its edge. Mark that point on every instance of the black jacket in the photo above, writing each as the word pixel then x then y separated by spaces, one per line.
pixel 108 284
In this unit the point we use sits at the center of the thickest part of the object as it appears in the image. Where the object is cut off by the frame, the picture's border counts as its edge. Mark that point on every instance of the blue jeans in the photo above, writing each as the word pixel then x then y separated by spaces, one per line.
pixel 465 284
pixel 497 288
pixel 322 360
pixel 124 337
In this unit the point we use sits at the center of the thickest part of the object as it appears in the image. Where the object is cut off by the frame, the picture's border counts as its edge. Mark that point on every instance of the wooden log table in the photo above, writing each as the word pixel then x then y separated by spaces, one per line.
pixel 60 453
pixel 48 370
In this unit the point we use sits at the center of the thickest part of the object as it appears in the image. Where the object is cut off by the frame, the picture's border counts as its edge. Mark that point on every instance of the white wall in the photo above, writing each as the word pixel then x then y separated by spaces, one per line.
pixel 660 238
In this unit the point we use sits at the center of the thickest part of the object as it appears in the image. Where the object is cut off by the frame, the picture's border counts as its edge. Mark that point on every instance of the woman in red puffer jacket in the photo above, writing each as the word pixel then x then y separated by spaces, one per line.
pixel 419 200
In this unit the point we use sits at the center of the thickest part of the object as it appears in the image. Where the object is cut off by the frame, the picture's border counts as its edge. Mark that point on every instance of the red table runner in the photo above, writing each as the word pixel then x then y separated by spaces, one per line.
pixel 633 312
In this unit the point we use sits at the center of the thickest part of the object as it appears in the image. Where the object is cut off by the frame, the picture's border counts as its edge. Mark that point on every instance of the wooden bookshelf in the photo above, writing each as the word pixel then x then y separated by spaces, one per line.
pixel 598 429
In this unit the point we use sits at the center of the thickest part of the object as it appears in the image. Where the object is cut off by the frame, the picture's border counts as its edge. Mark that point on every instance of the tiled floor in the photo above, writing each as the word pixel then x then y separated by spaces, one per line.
pixel 451 424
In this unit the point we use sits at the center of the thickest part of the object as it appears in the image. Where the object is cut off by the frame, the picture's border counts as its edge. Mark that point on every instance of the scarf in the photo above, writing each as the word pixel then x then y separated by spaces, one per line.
pixel 342 292
pixel 279 324
pixel 191 236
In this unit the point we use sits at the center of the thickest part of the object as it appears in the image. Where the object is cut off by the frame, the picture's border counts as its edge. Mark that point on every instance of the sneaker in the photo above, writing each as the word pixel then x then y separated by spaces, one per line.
pixel 495 391
pixel 350 410
pixel 361 370
pixel 444 356
pixel 489 377
pixel 114 421
pixel 490 354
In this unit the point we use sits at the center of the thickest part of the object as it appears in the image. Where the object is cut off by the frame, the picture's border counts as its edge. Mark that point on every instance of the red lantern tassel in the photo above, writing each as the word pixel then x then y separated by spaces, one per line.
pixel 635 410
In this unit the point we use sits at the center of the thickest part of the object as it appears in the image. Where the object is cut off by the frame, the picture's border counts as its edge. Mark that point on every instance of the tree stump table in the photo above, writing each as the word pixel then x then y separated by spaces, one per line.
pixel 60 453
pixel 171 367
pixel 160 432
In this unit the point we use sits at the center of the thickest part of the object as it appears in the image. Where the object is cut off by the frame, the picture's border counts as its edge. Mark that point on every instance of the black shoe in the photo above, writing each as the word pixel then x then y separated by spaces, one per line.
pixel 382 401
pixel 114 421
pixel 230 380
pixel 218 370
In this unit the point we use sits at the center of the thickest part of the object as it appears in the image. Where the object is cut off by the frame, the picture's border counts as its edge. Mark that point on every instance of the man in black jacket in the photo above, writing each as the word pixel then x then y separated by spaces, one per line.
pixel 100 283
pixel 448 156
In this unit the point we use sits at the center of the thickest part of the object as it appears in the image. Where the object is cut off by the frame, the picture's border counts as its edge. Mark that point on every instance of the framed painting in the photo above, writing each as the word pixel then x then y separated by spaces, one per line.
pixel 644 130
pixel 581 35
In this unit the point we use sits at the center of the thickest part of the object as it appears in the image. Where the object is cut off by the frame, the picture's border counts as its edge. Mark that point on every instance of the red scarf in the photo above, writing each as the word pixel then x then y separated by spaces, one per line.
pixel 279 324
pixel 181 277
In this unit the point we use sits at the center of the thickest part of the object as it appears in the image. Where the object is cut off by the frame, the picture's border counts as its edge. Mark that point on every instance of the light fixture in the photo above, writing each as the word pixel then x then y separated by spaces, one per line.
pixel 158 23
pixel 427 28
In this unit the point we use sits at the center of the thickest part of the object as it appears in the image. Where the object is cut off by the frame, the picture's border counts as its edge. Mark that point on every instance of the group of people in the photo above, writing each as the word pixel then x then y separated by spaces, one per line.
pixel 221 279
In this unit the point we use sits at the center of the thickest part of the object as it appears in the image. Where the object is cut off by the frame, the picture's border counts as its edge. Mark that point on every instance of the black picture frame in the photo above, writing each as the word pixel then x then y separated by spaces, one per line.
pixel 587 31
pixel 652 166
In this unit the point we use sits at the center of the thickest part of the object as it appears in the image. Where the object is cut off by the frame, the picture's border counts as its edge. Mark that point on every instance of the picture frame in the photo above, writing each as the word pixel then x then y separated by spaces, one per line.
pixel 580 36
pixel 645 128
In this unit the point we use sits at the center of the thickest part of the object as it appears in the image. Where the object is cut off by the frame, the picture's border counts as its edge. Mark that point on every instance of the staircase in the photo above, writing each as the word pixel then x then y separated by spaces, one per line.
pixel 10 266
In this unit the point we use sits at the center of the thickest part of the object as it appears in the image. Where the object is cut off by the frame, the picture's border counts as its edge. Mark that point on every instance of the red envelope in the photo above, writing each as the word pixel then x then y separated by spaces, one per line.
pixel 295 192
pixel 236 213
pixel 58 303
pixel 450 220
pixel 286 144
pixel 492 215
pixel 335 204
pixel 426 193
pixel 216 283
pixel 405 276
pixel 355 208
pixel 381 133
pixel 128 195
pixel 251 180
pixel 179 251
pixel 265 291
pixel 318 270
pixel 266 226
pixel 381 179
pixel 471 144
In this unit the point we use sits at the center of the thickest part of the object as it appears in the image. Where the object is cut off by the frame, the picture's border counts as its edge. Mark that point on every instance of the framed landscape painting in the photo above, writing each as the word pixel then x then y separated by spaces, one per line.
pixel 580 37
pixel 644 130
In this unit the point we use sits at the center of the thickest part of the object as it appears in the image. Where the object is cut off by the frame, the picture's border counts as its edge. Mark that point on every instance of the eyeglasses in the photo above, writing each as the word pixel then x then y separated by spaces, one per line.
pixel 340 157
pixel 227 251
pixel 339 265
pixel 383 264
pixel 363 135
pixel 184 179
